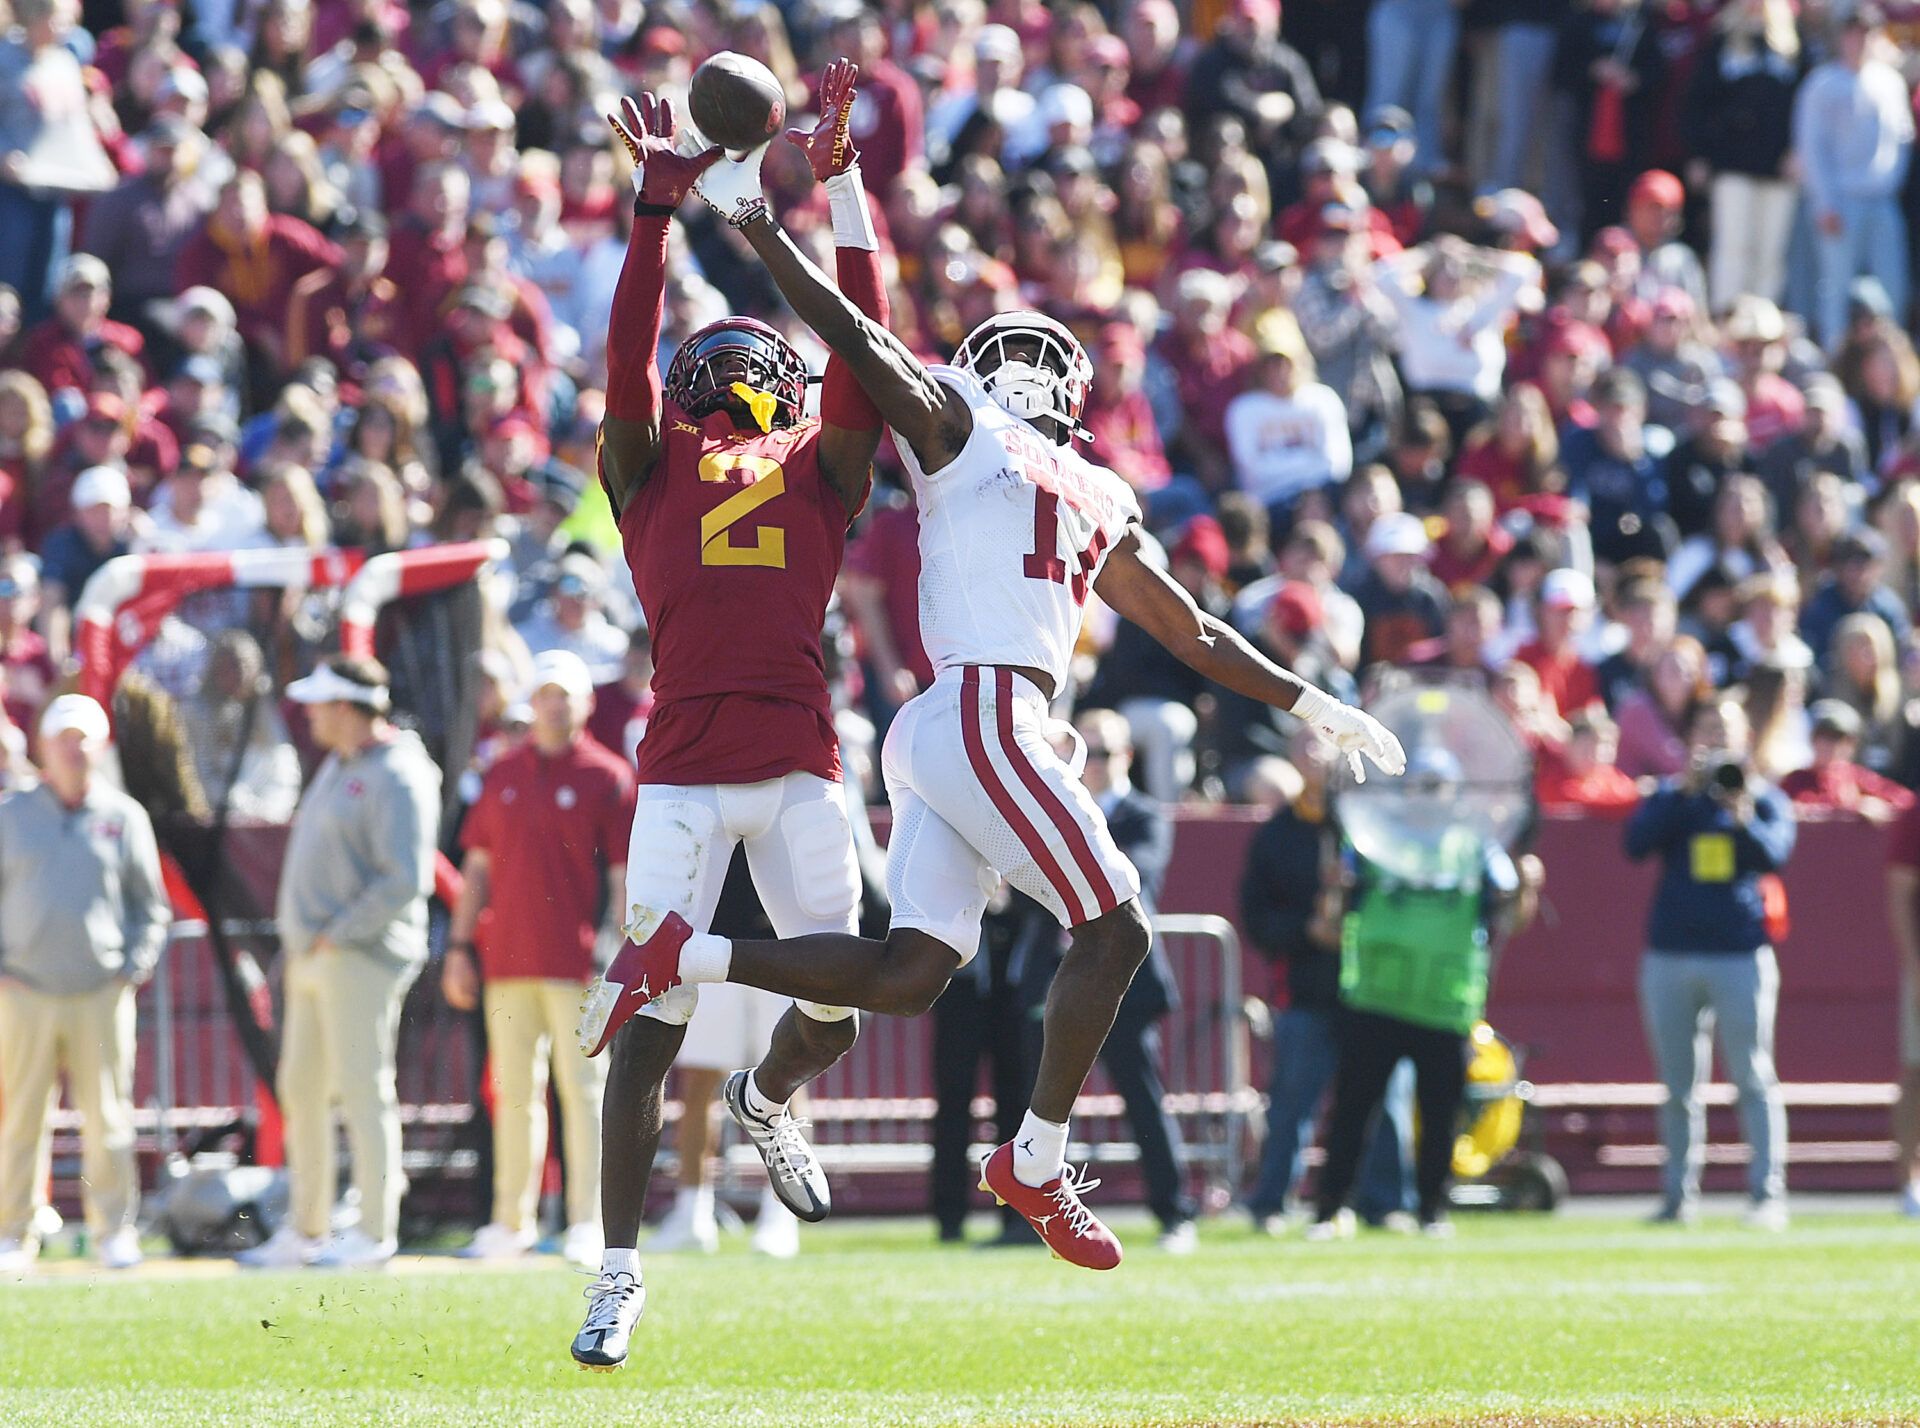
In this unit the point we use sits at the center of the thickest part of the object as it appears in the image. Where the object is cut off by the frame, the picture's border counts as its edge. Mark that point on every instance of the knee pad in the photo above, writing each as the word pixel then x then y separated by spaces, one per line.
pixel 813 1011
pixel 826 878
pixel 676 1007
pixel 667 855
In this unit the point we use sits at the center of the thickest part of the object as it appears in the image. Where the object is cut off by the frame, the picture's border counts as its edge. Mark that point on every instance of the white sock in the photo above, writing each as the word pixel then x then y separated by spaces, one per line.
pixel 705 958
pixel 1039 1151
pixel 696 1200
pixel 760 1106
pixel 772 1207
pixel 620 1261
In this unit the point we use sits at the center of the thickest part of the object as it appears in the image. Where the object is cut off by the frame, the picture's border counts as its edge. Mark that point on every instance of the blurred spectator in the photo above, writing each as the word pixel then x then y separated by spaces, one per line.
pixel 1248 71
pixel 1401 601
pixel 1858 561
pixel 1864 674
pixel 1290 904
pixel 1610 65
pixel 1853 131
pixel 1739 120
pixel 1672 361
pixel 1618 470
pixel 352 314
pixel 1516 454
pixel 1713 448
pixel 1287 433
pixel 139 229
pixel 1655 717
pixel 353 922
pixel 1757 333
pixel 1882 379
pixel 1646 610
pixel 1350 326
pixel 242 754
pixel 1764 633
pixel 60 352
pixel 1472 544
pixel 1565 606
pixel 1833 781
pixel 1721 834
pixel 96 533
pixel 545 865
pixel 1738 544
pixel 1584 777
pixel 573 618
pixel 1410 50
pixel 1655 205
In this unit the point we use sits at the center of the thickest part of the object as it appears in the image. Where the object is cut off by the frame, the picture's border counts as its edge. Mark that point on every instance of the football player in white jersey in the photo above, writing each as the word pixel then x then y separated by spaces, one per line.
pixel 1016 528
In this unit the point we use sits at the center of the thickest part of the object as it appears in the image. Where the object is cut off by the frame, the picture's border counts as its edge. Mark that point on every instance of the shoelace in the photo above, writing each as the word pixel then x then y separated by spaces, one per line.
pixel 788 1147
pixel 607 1295
pixel 1067 1196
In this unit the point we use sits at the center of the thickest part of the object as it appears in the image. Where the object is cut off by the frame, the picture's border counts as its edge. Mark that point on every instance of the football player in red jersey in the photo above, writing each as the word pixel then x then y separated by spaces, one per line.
pixel 733 509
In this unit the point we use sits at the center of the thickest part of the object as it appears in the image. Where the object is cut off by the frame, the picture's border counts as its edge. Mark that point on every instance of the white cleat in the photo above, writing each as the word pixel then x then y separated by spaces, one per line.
pixel 793 1170
pixel 17 1256
pixel 287 1249
pixel 1767 1215
pixel 120 1250
pixel 776 1233
pixel 355 1249
pixel 615 1302
pixel 1183 1238
pixel 1340 1227
pixel 495 1241
pixel 688 1226
pixel 583 1245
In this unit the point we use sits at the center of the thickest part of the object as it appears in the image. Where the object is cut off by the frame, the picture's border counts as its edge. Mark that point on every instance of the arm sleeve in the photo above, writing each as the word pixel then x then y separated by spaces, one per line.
pixel 403 833
pixel 843 401
pixel 633 330
pixel 146 909
pixel 1766 842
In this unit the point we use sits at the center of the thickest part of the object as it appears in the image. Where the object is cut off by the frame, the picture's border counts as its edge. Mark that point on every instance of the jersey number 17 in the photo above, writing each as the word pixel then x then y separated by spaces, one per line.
pixel 1045 562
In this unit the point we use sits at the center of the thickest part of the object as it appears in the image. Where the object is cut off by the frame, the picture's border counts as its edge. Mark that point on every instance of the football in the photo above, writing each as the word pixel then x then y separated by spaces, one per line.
pixel 736 102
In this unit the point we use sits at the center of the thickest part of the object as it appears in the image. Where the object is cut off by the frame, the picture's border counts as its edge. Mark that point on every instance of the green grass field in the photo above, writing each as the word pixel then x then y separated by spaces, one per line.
pixel 1517 1321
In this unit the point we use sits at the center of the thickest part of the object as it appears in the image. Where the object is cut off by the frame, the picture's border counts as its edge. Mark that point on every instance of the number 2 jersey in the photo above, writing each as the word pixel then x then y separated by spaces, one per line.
pixel 734 542
pixel 1013 533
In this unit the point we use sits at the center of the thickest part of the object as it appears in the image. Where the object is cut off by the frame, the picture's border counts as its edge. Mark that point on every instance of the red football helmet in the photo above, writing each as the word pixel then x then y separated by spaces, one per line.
pixel 737 349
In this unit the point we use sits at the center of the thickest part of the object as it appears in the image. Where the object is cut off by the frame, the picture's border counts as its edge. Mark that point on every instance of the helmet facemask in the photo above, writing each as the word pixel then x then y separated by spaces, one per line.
pixel 1032 367
pixel 742 367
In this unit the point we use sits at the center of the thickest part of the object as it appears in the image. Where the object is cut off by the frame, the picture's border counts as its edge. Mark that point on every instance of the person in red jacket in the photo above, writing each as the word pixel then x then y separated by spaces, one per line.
pixel 887 125
pixel 255 257
pixel 1566 599
pixel 1581 773
pixel 351 316
pixel 1125 436
pixel 427 256
pixel 1834 782
pixel 59 351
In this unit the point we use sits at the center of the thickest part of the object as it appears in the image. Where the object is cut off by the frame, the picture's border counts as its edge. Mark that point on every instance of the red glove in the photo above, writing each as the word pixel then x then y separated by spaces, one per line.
pixel 662 176
pixel 829 148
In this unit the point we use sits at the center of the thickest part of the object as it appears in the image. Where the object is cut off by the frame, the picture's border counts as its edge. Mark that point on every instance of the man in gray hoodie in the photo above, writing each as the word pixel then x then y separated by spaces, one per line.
pixel 83 916
pixel 353 932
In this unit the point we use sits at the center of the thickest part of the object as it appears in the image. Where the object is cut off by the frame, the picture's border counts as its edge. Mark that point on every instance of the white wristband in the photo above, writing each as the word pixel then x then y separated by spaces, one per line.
pixel 847 201
pixel 1310 705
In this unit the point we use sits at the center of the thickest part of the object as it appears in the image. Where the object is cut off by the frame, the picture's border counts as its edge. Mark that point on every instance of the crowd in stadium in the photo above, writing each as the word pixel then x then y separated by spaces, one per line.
pixel 338 274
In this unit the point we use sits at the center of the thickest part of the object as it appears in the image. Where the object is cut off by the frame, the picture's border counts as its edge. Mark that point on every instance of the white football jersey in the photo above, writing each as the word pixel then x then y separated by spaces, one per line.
pixel 1013 532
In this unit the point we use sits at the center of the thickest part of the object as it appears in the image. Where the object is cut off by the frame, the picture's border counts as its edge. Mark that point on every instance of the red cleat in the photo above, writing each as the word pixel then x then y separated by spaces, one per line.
pixel 1054 1210
pixel 643 970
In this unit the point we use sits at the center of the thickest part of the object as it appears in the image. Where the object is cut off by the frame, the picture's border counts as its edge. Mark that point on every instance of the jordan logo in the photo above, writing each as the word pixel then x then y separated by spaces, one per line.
pixel 1042 1223
pixel 1026 1146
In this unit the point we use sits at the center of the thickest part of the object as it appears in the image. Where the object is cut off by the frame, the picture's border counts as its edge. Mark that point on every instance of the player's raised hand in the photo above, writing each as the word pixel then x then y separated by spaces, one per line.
pixel 731 188
pixel 663 174
pixel 828 146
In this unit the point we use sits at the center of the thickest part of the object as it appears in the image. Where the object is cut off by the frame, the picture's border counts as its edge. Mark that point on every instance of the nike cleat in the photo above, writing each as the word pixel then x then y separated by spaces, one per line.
pixel 613 1312
pixel 1072 1231
pixel 646 968
pixel 793 1170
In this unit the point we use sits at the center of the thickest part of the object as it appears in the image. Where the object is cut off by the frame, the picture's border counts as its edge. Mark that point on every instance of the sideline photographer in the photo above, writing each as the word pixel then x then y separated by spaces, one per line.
pixel 1720 832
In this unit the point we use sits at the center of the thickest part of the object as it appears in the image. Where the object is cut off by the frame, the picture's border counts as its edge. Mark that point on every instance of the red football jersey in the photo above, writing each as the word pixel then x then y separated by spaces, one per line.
pixel 734 542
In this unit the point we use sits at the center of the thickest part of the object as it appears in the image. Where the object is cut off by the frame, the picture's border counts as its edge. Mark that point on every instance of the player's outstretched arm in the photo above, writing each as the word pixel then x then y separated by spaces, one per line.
pixel 850 424
pixel 630 432
pixel 927 414
pixel 1153 600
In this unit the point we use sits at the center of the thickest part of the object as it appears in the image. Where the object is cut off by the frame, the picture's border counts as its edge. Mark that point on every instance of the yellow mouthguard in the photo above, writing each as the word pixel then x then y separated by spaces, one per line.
pixel 762 404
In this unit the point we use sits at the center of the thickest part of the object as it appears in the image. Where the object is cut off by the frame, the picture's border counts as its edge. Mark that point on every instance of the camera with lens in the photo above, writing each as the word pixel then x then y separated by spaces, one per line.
pixel 1722 775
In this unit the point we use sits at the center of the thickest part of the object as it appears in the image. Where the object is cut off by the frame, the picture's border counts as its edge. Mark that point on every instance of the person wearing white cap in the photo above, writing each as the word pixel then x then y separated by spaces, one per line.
pixel 1402 602
pixel 1564 606
pixel 353 934
pixel 60 351
pixel 83 918
pixel 998 63
pixel 100 529
pixel 545 868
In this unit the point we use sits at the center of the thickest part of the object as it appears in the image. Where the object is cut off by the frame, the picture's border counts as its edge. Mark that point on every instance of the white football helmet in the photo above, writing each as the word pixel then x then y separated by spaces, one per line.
pixel 1051 383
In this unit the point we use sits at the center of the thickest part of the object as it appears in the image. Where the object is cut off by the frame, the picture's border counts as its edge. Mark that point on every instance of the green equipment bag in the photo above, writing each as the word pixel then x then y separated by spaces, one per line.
pixel 1418 950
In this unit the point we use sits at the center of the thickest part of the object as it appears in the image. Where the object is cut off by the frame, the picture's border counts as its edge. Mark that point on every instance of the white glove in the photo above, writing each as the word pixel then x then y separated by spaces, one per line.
pixel 731 188
pixel 1353 731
